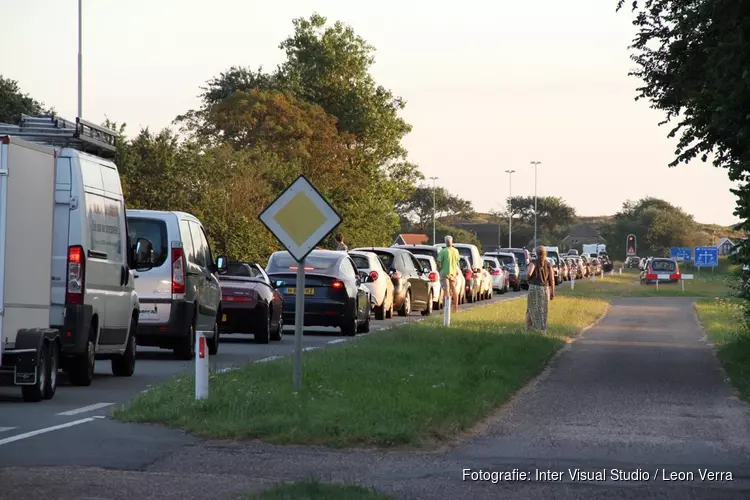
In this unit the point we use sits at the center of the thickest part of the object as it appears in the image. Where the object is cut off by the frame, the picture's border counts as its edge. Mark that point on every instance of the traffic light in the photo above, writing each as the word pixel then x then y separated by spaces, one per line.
pixel 630 246
pixel 631 240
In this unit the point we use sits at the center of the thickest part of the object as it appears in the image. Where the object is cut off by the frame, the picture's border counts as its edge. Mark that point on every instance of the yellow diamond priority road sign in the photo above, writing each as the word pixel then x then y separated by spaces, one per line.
pixel 300 218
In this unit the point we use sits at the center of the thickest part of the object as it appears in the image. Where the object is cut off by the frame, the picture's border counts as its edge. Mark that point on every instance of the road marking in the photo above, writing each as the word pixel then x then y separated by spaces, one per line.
pixel 85 409
pixel 6 429
pixel 45 430
pixel 266 360
pixel 306 349
pixel 337 341
pixel 227 369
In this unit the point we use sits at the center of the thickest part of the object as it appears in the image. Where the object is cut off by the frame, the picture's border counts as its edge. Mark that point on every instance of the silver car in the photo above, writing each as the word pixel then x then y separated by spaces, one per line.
pixel 434 276
pixel 181 294
pixel 498 272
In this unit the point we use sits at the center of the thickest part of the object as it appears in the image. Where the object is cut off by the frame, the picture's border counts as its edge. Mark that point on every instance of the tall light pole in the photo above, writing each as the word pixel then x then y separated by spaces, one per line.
pixel 536 164
pixel 510 208
pixel 434 205
pixel 80 59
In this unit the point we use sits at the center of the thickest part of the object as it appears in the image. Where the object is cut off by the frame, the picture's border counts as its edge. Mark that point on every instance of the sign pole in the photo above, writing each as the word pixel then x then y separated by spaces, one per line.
pixel 299 324
pixel 682 282
pixel 447 311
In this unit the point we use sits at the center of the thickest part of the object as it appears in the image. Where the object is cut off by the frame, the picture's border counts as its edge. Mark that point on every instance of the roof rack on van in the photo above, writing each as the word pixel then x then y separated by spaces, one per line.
pixel 53 131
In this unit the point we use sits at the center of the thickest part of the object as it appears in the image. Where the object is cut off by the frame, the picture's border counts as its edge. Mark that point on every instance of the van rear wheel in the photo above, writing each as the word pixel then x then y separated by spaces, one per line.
pixel 35 393
pixel 81 367
pixel 123 365
pixel 186 349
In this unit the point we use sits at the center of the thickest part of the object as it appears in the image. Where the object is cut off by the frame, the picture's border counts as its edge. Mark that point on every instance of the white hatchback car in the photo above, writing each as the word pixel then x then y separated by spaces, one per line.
pixel 434 276
pixel 380 286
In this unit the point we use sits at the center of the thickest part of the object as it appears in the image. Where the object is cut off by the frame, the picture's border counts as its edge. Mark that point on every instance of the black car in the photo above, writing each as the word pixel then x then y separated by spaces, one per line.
pixel 607 265
pixel 334 291
pixel 412 289
pixel 633 262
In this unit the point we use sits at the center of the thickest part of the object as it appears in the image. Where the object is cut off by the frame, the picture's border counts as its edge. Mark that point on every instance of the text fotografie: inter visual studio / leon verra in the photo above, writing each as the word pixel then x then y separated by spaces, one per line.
pixel 594 475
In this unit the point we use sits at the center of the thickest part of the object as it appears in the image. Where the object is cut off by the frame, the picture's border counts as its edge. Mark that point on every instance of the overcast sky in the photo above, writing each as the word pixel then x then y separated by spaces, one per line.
pixel 489 85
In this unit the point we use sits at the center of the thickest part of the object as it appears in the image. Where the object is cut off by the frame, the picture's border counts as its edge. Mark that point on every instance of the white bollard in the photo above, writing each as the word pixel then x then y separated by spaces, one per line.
pixel 201 367
pixel 573 283
pixel 447 312
pixel 620 270
pixel 657 284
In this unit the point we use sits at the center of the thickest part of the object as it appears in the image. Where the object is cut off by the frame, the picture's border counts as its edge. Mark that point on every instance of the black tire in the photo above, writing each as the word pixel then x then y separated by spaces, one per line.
pixel 123 365
pixel 366 326
pixel 186 349
pixel 263 336
pixel 517 288
pixel 82 366
pixel 53 365
pixel 470 298
pixel 35 393
pixel 213 343
pixel 406 307
pixel 279 332
pixel 428 310
pixel 389 312
pixel 351 327
pixel 380 312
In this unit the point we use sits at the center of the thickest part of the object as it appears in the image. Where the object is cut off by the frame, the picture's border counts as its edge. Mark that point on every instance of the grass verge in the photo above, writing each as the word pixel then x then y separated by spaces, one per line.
pixel 411 386
pixel 724 325
pixel 628 284
pixel 315 490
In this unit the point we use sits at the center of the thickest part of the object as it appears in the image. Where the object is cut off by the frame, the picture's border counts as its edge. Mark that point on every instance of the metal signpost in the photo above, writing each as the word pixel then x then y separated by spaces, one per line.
pixel 300 218
pixel 630 245
pixel 684 277
pixel 681 254
pixel 706 257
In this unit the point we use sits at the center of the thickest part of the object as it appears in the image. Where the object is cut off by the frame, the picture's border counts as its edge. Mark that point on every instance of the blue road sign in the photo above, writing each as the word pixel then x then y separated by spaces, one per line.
pixel 681 254
pixel 706 256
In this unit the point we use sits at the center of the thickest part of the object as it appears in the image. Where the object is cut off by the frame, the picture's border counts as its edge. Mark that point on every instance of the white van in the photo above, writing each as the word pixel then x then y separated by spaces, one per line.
pixel 93 299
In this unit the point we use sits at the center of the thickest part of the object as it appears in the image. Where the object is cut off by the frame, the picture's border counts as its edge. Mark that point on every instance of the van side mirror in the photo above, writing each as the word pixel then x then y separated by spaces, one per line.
pixel 143 255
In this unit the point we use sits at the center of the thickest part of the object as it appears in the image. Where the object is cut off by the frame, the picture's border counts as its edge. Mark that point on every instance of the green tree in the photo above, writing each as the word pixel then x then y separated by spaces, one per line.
pixel 554 215
pixel 418 208
pixel 14 103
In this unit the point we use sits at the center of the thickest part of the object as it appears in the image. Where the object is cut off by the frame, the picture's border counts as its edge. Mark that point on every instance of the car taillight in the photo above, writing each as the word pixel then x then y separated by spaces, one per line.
pixel 467 274
pixel 337 285
pixel 374 275
pixel 178 271
pixel 76 275
pixel 496 272
pixel 236 298
pixel 396 275
pixel 433 276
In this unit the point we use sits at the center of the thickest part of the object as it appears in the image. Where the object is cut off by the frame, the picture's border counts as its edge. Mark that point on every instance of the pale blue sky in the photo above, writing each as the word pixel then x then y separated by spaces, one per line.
pixel 489 85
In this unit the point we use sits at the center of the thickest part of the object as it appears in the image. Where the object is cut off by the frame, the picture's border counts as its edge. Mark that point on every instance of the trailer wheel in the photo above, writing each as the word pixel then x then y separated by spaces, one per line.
pixel 53 365
pixel 35 393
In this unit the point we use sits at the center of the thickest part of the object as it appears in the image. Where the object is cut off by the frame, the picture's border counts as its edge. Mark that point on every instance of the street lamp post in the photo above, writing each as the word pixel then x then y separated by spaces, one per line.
pixel 80 59
pixel 434 204
pixel 536 164
pixel 510 208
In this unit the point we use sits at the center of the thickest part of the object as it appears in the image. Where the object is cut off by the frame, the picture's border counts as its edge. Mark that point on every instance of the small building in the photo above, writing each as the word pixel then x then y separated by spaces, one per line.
pixel 582 234
pixel 724 246
pixel 412 239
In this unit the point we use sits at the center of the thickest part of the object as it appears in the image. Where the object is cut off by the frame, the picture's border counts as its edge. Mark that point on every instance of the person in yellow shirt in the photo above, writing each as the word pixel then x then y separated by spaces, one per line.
pixel 447 262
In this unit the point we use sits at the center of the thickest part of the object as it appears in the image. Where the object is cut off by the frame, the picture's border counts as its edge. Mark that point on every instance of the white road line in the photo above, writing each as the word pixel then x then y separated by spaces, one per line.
pixel 306 349
pixel 84 409
pixel 337 341
pixel 6 429
pixel 266 360
pixel 45 430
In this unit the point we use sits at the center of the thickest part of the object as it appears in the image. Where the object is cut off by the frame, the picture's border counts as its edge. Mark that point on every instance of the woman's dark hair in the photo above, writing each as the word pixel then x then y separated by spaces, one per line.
pixel 339 237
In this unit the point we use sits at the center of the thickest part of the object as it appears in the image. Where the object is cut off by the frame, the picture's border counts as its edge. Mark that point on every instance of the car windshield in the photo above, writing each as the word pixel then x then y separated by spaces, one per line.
pixel 663 265
pixel 505 259
pixel 362 262
pixel 386 258
pixel 284 261
pixel 153 230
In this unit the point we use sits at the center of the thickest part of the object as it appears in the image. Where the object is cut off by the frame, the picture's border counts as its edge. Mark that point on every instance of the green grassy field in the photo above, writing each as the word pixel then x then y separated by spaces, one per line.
pixel 413 386
pixel 628 284
pixel 724 324
pixel 314 490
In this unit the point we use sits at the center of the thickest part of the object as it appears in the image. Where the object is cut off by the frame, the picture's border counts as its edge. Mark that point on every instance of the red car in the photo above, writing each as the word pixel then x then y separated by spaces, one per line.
pixel 251 304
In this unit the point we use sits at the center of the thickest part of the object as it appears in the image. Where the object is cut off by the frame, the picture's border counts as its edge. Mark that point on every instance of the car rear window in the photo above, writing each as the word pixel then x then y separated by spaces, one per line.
pixel 465 252
pixel 425 261
pixel 386 258
pixel 424 251
pixel 520 257
pixel 492 262
pixel 505 259
pixel 153 230
pixel 362 262
pixel 663 265
pixel 284 261
pixel 242 270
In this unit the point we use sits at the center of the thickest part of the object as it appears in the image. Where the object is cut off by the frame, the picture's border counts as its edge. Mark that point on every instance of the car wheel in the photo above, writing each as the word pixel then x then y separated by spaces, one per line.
pixel 35 393
pixel 428 310
pixel 279 332
pixel 389 312
pixel 264 335
pixel 380 311
pixel 365 328
pixel 186 349
pixel 123 365
pixel 53 365
pixel 213 343
pixel 351 327
pixel 81 370
pixel 406 308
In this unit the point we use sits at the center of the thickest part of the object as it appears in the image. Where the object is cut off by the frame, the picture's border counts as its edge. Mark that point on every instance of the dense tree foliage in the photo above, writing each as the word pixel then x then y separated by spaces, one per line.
pixel 417 209
pixel 14 103
pixel 657 225
pixel 554 219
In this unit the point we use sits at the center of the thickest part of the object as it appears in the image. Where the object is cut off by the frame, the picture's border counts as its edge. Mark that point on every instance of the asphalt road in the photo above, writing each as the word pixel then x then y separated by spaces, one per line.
pixel 641 393
pixel 72 429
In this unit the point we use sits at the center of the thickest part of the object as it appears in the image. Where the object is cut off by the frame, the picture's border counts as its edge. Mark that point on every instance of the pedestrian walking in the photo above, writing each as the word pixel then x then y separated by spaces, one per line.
pixel 541 290
pixel 341 245
pixel 447 262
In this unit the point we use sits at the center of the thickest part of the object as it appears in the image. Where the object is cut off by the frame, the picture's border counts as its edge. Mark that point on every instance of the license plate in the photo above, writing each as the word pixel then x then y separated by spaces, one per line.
pixel 663 277
pixel 223 317
pixel 293 291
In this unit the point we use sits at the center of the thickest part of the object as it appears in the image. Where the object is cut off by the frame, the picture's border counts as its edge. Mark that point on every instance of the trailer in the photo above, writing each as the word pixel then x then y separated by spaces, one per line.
pixel 29 348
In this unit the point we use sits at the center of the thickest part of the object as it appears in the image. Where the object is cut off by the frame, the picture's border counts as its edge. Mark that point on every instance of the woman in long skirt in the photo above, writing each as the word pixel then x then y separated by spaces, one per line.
pixel 541 290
